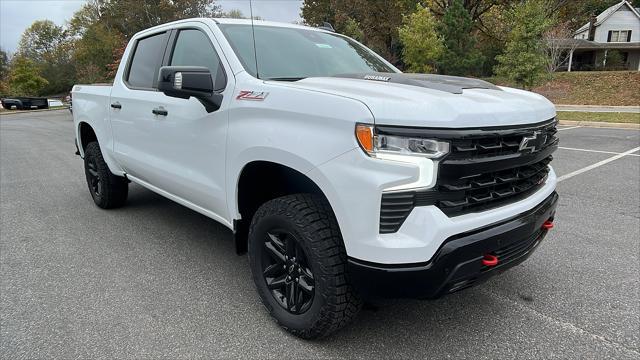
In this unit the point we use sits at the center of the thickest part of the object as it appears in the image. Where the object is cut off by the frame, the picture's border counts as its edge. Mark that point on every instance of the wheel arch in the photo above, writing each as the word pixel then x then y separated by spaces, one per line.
pixel 86 134
pixel 260 181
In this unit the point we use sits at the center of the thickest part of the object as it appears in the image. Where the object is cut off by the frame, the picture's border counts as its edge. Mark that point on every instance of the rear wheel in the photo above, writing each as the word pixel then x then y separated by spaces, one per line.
pixel 107 190
pixel 298 263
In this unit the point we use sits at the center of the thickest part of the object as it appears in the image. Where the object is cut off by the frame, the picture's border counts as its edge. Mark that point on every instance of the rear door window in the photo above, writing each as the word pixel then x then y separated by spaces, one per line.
pixel 146 61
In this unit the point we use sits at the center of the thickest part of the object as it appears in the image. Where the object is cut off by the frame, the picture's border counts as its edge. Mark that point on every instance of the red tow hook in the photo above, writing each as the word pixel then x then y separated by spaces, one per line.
pixel 548 225
pixel 489 260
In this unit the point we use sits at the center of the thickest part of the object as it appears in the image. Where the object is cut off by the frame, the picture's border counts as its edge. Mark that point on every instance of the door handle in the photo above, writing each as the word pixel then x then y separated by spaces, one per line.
pixel 160 111
pixel 116 105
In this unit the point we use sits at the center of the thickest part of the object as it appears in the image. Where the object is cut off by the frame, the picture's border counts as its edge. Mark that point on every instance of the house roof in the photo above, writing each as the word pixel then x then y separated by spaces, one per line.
pixel 605 14
pixel 582 44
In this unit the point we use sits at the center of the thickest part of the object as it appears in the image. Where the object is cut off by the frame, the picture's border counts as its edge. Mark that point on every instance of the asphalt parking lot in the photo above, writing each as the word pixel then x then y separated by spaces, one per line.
pixel 157 280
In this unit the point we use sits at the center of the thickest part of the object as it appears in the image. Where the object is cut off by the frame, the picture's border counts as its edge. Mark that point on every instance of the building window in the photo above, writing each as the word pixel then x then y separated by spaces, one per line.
pixel 619 35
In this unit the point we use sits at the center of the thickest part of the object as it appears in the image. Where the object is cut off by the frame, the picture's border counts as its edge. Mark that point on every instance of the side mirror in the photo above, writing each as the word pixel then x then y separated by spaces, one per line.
pixel 187 81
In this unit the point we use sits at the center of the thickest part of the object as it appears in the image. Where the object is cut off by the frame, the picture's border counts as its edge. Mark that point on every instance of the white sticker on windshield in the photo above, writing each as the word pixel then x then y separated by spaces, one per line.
pixel 324 46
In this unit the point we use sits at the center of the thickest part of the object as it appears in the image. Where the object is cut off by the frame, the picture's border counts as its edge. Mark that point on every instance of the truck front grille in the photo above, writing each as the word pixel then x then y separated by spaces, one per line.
pixel 499 143
pixel 485 169
pixel 484 191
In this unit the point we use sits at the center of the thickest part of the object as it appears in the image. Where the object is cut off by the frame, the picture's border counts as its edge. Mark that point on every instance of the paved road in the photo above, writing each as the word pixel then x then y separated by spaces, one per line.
pixel 156 280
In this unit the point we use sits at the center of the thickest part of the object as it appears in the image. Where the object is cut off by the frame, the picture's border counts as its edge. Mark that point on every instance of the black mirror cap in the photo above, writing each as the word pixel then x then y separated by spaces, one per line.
pixel 186 81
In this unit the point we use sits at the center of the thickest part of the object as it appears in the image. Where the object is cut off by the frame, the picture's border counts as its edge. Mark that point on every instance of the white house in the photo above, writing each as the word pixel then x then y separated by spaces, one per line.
pixel 617 28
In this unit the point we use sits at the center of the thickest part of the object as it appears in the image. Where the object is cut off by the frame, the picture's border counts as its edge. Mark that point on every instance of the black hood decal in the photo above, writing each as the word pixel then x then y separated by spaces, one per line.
pixel 450 84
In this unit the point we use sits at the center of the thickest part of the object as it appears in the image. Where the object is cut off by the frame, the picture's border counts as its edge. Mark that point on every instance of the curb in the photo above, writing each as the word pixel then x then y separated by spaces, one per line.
pixel 12 112
pixel 598 124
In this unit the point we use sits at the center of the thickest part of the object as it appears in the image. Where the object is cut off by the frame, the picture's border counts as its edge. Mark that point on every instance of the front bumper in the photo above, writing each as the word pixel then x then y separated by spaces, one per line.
pixel 458 262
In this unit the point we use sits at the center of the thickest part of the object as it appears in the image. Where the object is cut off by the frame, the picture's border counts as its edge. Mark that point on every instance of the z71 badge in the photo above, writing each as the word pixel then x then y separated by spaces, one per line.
pixel 252 95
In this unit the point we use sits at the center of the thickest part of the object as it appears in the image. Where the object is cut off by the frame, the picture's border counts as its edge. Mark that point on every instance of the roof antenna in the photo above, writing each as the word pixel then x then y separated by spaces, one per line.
pixel 253 33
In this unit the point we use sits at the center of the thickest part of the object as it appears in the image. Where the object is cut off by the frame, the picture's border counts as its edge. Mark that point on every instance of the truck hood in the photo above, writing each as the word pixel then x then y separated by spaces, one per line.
pixel 435 101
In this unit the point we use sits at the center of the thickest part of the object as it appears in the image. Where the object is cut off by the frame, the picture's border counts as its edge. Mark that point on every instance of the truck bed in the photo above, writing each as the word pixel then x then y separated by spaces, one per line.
pixel 91 101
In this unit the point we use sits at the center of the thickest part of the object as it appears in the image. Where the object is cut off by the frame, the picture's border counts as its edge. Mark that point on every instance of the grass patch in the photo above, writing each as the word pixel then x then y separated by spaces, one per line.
pixel 610 117
pixel 614 88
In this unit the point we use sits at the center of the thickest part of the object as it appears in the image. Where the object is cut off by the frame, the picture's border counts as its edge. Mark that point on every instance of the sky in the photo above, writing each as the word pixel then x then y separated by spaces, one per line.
pixel 17 15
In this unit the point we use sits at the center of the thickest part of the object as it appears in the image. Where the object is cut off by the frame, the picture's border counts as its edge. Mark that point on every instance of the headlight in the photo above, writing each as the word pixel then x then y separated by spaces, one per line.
pixel 378 144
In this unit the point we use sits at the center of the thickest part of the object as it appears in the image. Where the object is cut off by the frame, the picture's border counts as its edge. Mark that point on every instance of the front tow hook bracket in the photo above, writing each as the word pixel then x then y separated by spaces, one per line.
pixel 490 260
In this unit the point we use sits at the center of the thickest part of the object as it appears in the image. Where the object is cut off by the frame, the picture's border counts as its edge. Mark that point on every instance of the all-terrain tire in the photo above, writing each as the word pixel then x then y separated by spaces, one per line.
pixel 310 220
pixel 107 190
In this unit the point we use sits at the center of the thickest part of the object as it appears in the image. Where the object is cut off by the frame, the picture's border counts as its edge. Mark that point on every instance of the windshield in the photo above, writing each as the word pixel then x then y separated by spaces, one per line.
pixel 292 53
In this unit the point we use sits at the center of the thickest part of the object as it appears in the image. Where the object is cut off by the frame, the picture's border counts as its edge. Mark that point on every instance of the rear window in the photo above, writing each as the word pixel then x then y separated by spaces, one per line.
pixel 146 60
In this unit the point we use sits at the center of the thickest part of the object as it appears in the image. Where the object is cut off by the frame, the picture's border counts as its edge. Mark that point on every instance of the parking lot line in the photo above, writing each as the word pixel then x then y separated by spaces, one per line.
pixel 569 128
pixel 596 151
pixel 598 164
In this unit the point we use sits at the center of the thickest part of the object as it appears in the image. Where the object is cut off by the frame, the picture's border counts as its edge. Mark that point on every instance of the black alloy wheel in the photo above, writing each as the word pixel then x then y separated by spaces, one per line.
pixel 286 272
pixel 93 178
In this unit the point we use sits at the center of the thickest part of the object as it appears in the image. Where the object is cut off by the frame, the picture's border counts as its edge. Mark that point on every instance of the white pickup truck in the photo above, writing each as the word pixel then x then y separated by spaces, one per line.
pixel 343 178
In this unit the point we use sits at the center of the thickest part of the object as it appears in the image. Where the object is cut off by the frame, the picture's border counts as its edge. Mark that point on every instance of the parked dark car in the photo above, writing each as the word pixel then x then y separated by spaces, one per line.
pixel 25 103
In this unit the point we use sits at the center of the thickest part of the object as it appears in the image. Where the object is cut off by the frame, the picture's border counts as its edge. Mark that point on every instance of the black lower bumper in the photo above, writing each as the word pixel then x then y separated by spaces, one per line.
pixel 458 263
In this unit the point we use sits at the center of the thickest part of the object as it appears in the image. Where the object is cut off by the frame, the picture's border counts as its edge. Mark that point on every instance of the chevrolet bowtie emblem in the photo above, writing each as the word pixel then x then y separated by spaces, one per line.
pixel 534 142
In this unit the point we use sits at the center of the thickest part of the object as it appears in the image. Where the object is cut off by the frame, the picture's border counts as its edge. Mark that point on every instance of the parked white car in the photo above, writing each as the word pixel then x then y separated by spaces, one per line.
pixel 344 178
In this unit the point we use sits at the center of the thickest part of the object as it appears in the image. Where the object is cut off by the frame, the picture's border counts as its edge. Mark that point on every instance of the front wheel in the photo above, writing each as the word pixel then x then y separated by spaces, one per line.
pixel 299 264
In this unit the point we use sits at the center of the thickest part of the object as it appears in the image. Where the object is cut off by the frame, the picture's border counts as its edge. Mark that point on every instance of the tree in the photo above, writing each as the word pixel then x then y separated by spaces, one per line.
pixel 614 61
pixel 352 29
pixel 475 8
pixel 422 44
pixel 233 14
pixel 49 47
pixel 377 21
pixel 236 14
pixel 95 50
pixel 524 61
pixel 460 55
pixel 130 16
pixel 4 64
pixel 83 19
pixel 40 40
pixel 4 72
pixel 24 78
pixel 315 12
pixel 559 44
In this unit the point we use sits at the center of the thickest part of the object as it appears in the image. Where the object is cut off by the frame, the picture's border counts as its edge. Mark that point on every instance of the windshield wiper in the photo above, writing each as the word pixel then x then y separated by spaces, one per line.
pixel 284 78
